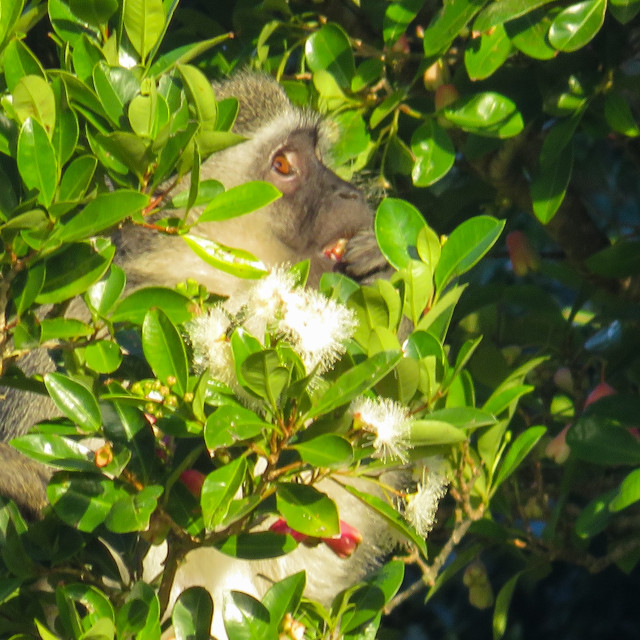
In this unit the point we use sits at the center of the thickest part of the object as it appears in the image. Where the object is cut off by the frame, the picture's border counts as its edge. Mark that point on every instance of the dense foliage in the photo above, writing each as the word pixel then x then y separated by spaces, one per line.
pixel 519 377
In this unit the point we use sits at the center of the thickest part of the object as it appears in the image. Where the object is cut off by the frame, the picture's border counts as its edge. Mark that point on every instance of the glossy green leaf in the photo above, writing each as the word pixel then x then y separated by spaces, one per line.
pixel 431 432
pixel 164 350
pixel 239 201
pixel 219 489
pixel 433 151
pixel 356 381
pixel 144 22
pixel 63 328
pixel 257 546
pixel 103 356
pixel 595 516
pixel 620 260
pixel 94 12
pixel 246 618
pixel 77 178
pixel 192 614
pixel 307 510
pixel 104 211
pixel 237 262
pixel 624 10
pixel 283 597
pixel 529 33
pixel 326 451
pixel 576 25
pixel 328 49
pixel 75 400
pixel 501 609
pixel 131 512
pixel 549 185
pixel 139 616
pixel 486 114
pixel 502 11
pixel 517 452
pixel 135 306
pixel 184 54
pixel 82 501
pixel 466 245
pixel 628 492
pixel 116 87
pixel 56 451
pixel 10 12
pixel 447 24
pixel 619 116
pixel 26 286
pixel 37 160
pixel 201 94
pixel 19 62
pixel 230 424
pixel 397 225
pixel 397 18
pixel 487 53
pixel 505 398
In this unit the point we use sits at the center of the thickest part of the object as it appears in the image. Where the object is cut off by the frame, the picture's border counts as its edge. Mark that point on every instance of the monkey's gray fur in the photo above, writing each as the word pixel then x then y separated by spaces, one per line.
pixel 316 210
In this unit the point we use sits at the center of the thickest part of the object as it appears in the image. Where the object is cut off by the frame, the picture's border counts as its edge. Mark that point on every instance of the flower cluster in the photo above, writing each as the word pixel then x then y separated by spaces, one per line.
pixel 316 327
pixel 389 422
pixel 420 508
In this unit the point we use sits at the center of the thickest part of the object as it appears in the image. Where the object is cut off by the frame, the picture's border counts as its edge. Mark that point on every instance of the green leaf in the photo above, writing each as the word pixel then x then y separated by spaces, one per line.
pixel 192 614
pixel 26 286
pixel 103 356
pixel 101 213
pixel 283 597
pixel 246 618
pixel 447 24
pixel 550 183
pixel 94 12
pixel 624 10
pixel 116 87
pixel 486 114
pixel 466 245
pixel 501 11
pixel 237 262
pixel 397 226
pixel 628 492
pixel 328 49
pixel 618 261
pixel 82 501
pixel 619 116
pixel 73 270
pixel 397 18
pixel 144 22
pixel 135 306
pixel 487 53
pixel 517 452
pixel 219 489
pixel 19 63
pixel 356 381
pixel 432 432
pixel 529 33
pixel 10 12
pixel 326 451
pixel 257 546
pixel 132 512
pixel 307 510
pixel 230 424
pixel 77 178
pixel 75 400
pixel 576 25
pixel 201 93
pixel 595 517
pixel 56 451
pixel 503 600
pixel 37 160
pixel 63 328
pixel 164 350
pixel 239 201
pixel 264 375
pixel 139 617
pixel 433 151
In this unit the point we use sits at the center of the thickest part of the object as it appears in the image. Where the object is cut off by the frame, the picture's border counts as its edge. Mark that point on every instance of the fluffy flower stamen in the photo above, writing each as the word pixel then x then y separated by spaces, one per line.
pixel 420 507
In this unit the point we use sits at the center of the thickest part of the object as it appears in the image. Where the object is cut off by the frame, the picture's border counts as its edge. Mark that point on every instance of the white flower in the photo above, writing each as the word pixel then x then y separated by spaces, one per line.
pixel 316 327
pixel 420 507
pixel 389 421
pixel 211 346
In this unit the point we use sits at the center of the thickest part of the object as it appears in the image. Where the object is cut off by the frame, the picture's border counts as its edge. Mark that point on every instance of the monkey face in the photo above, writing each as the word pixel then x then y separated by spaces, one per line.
pixel 318 212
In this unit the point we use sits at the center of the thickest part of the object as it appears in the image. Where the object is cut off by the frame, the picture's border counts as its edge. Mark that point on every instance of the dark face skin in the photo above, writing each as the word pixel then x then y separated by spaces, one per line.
pixel 324 208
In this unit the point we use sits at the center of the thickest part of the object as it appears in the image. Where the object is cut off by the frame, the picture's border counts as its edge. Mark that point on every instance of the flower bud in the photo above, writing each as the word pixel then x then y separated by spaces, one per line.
pixel 601 390
pixel 193 480
pixel 344 544
pixel 558 449
pixel 445 95
pixel 435 76
pixel 103 455
pixel 563 379
pixel 522 255
pixel 281 526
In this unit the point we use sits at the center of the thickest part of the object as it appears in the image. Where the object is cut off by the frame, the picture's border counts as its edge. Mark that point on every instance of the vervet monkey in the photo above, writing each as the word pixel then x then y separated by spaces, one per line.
pixel 318 212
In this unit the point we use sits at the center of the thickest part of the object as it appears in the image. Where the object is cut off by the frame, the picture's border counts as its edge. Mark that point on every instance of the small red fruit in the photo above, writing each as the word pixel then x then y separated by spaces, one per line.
pixel 346 542
pixel 522 255
pixel 281 526
pixel 193 480
pixel 601 390
pixel 445 95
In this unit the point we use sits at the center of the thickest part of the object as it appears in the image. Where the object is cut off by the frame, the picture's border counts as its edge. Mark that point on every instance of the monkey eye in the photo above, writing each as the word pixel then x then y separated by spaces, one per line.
pixel 281 164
